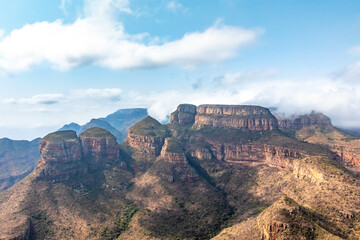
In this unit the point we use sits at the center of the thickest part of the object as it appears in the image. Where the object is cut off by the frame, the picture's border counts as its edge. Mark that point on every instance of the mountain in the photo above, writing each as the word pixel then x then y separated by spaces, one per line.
pixel 104 125
pixel 352 131
pixel 317 129
pixel 117 123
pixel 17 159
pixel 215 171
pixel 72 126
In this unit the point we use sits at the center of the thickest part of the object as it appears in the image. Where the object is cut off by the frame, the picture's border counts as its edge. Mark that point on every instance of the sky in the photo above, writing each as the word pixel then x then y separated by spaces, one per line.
pixel 65 61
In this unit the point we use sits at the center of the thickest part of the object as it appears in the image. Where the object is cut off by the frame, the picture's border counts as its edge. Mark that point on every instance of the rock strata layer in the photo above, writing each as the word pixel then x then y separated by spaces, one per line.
pixel 64 155
pixel 235 116
pixel 297 122
pixel 184 115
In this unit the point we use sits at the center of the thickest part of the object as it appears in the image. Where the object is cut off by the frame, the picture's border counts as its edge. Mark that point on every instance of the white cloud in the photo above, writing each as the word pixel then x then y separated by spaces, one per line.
pixel 349 73
pixel 8 101
pixel 98 39
pixel 48 99
pixel 2 32
pixel 113 94
pixel 338 99
pixel 105 9
pixel 245 76
pixel 174 6
pixel 354 50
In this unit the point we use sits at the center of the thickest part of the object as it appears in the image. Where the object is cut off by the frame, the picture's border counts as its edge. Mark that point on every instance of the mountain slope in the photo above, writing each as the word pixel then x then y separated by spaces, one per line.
pixel 17 159
pixel 216 171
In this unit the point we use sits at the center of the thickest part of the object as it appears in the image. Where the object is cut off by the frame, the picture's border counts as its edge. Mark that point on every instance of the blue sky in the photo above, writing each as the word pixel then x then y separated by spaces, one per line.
pixel 69 61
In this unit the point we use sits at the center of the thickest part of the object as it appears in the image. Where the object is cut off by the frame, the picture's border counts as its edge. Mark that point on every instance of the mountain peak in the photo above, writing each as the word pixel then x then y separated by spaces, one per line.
pixel 96 132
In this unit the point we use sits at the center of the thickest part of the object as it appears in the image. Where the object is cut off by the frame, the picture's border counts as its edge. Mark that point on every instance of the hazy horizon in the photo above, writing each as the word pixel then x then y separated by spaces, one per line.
pixel 70 61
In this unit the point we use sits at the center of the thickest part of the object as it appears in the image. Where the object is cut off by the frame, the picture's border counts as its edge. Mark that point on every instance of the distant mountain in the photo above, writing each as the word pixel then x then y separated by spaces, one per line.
pixel 117 123
pixel 17 160
pixel 104 125
pixel 352 131
pixel 214 172
pixel 72 126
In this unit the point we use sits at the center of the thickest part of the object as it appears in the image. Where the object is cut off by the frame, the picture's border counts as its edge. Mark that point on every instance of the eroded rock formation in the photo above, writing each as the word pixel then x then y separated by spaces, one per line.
pixel 99 146
pixel 184 115
pixel 297 122
pixel 64 155
pixel 235 116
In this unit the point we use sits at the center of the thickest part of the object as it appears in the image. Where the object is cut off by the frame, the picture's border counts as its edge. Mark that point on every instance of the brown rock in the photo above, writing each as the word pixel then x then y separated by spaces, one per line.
pixel 184 115
pixel 60 156
pixel 99 146
pixel 235 116
pixel 297 122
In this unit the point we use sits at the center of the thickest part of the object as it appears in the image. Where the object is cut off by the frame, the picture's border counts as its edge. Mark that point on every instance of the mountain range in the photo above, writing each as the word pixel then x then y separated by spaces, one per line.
pixel 117 123
pixel 213 172
pixel 18 158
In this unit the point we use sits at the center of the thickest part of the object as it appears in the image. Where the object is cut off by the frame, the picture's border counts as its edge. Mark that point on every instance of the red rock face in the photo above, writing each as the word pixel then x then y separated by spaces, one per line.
pixel 148 147
pixel 65 151
pixel 251 155
pixel 239 117
pixel 184 115
pixel 298 122
pixel 60 160
pixel 99 150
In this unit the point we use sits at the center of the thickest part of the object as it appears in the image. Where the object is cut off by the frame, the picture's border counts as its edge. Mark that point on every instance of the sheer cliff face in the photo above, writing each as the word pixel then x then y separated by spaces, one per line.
pixel 239 117
pixel 61 148
pixel 306 120
pixel 316 128
pixel 99 148
pixel 63 154
pixel 233 116
pixel 184 115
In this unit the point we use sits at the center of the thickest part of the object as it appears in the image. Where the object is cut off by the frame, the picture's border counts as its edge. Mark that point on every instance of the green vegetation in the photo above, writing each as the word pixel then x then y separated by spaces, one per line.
pixel 174 145
pixel 150 127
pixel 61 136
pixel 97 133
pixel 120 225
pixel 227 135
pixel 42 226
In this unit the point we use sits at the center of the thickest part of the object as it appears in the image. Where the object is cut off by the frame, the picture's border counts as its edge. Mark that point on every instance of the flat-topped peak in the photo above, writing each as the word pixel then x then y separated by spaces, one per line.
pixel 297 122
pixel 232 110
pixel 68 135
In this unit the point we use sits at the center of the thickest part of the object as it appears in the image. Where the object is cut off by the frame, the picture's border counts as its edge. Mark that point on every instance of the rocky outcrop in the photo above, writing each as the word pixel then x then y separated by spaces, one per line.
pixel 184 115
pixel 297 122
pixel 99 146
pixel 235 116
pixel 147 138
pixel 174 157
pixel 61 156
pixel 64 155
pixel 60 147
pixel 148 147
pixel 172 152
pixel 250 154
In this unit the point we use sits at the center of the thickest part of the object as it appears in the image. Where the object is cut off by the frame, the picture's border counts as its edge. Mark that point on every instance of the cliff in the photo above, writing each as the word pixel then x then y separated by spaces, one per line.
pixel 188 180
pixel 147 138
pixel 316 128
pixel 235 116
pixel 64 155
pixel 184 115
pixel 99 146
pixel 297 122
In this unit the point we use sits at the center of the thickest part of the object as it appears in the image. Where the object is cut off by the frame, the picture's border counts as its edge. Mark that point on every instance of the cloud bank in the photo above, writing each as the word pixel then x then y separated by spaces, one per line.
pixel 99 39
